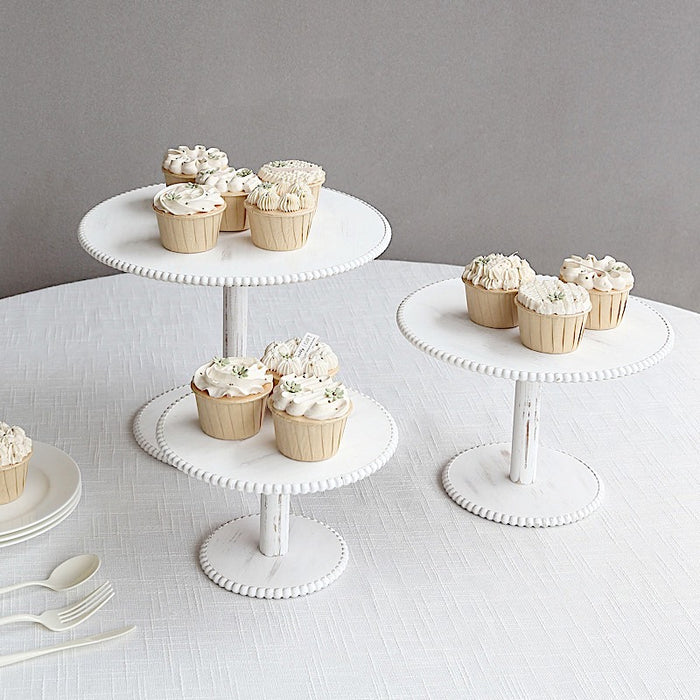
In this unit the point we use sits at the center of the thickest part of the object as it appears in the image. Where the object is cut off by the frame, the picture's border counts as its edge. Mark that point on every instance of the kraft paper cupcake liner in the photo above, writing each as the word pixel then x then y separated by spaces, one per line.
pixel 190 233
pixel 607 309
pixel 493 308
pixel 230 417
pixel 235 218
pixel 307 440
pixel 550 333
pixel 278 230
pixel 12 480
pixel 175 179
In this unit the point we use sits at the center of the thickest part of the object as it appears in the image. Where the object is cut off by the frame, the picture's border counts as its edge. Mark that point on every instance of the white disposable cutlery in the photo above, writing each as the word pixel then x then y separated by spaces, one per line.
pixel 69 574
pixel 84 641
pixel 69 616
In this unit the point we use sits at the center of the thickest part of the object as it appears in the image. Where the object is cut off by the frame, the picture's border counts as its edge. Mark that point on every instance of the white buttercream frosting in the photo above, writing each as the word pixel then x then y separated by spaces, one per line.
pixel 229 180
pixel 292 171
pixel 233 376
pixel 549 295
pixel 498 271
pixel 184 160
pixel 14 444
pixel 604 275
pixel 187 198
pixel 319 362
pixel 281 196
pixel 317 398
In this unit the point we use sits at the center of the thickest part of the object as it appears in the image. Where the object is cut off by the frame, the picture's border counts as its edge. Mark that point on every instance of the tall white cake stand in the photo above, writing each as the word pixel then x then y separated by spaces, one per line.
pixel 122 233
pixel 497 481
pixel 273 554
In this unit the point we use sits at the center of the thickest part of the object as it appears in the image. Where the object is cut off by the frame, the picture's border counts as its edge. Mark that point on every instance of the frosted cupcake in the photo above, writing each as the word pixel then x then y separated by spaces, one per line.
pixel 552 314
pixel 234 185
pixel 280 215
pixel 182 164
pixel 15 453
pixel 189 217
pixel 230 394
pixel 491 283
pixel 294 172
pixel 288 357
pixel 309 415
pixel 608 283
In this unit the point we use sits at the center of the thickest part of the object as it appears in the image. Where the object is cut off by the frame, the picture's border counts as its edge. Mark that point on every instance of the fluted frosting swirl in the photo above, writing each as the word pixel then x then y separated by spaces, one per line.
pixel 281 196
pixel 184 160
pixel 549 295
pixel 233 376
pixel 292 171
pixel 316 398
pixel 498 271
pixel 187 198
pixel 604 275
pixel 14 444
pixel 319 362
pixel 229 180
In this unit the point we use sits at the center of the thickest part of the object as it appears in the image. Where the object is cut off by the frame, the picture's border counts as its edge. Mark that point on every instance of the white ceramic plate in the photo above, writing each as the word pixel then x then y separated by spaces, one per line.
pixel 53 481
pixel 43 527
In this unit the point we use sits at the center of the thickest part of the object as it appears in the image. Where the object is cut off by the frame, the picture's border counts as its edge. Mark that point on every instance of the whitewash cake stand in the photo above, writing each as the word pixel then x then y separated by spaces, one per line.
pixel 497 481
pixel 252 555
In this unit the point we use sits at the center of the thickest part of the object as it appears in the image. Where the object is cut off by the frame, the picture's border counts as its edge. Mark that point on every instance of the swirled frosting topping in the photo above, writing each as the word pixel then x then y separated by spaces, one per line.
pixel 281 196
pixel 14 444
pixel 603 275
pixel 184 160
pixel 319 362
pixel 292 171
pixel 187 198
pixel 549 295
pixel 233 376
pixel 317 398
pixel 229 180
pixel 498 271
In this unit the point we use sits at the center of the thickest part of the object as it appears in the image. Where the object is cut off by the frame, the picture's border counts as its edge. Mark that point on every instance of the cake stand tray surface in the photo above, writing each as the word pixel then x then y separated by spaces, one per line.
pixel 122 232
pixel 497 482
pixel 301 555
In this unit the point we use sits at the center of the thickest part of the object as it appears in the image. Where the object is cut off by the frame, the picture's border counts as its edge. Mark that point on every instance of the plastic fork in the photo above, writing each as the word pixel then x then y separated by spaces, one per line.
pixel 70 616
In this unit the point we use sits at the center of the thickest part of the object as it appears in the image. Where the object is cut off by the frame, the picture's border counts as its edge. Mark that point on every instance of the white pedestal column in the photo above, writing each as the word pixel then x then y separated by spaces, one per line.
pixel 235 321
pixel 526 430
pixel 274 525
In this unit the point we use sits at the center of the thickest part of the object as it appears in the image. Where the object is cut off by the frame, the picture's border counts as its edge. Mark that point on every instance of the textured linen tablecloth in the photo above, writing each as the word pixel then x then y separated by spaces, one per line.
pixel 435 602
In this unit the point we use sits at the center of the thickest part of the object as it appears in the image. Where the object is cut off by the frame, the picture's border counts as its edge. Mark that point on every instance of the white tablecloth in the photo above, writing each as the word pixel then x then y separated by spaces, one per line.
pixel 435 602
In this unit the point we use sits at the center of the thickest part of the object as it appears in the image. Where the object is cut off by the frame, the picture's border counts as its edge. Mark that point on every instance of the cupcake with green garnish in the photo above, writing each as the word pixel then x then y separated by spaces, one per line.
pixel 280 215
pixel 552 314
pixel 15 453
pixel 491 283
pixel 182 164
pixel 294 172
pixel 234 185
pixel 230 394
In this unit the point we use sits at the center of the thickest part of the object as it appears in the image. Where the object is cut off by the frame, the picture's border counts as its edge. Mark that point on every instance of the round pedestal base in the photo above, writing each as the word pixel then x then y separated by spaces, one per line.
pixel 565 489
pixel 230 557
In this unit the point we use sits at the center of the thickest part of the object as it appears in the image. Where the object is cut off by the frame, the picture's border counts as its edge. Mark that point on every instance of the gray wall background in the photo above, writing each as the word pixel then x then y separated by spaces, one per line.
pixel 544 127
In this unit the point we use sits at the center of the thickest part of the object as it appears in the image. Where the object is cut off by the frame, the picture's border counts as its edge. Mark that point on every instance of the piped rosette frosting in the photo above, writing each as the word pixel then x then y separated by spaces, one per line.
pixel 229 180
pixel 315 398
pixel 281 196
pixel 187 198
pixel 548 295
pixel 283 358
pixel 233 377
pixel 498 271
pixel 184 160
pixel 15 446
pixel 604 275
pixel 293 172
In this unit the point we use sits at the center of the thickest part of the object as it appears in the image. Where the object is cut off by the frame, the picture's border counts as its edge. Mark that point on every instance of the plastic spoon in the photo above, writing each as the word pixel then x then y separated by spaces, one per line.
pixel 65 576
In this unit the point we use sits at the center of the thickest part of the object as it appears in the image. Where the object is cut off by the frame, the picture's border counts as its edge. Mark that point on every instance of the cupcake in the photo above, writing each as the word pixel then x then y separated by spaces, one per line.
pixel 15 453
pixel 234 186
pixel 309 415
pixel 230 394
pixel 551 314
pixel 189 217
pixel 182 164
pixel 491 284
pixel 294 172
pixel 608 283
pixel 285 357
pixel 280 215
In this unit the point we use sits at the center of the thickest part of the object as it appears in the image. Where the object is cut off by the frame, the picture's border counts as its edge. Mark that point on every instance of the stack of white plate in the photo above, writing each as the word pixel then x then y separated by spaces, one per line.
pixel 50 495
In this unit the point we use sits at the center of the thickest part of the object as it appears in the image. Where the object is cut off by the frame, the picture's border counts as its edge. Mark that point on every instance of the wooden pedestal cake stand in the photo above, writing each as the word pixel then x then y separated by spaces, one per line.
pixel 522 483
pixel 273 555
